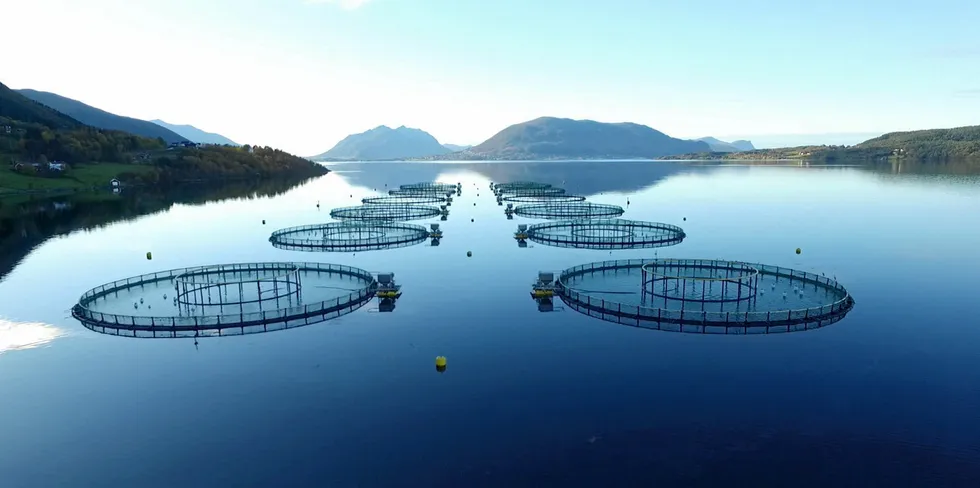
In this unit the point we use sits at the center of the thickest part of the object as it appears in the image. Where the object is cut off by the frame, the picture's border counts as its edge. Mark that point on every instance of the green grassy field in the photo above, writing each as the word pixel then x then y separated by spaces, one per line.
pixel 81 177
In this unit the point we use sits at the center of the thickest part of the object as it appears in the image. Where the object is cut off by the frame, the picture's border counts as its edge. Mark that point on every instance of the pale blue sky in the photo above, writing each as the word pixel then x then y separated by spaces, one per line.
pixel 301 74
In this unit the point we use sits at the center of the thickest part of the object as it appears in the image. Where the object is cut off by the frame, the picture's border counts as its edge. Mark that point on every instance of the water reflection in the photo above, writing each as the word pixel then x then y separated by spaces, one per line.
pixel 26 222
pixel 15 336
pixel 543 384
pixel 576 177
pixel 595 177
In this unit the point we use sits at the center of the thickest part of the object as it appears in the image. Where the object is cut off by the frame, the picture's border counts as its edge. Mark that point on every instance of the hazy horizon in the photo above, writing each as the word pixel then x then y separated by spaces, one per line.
pixel 303 74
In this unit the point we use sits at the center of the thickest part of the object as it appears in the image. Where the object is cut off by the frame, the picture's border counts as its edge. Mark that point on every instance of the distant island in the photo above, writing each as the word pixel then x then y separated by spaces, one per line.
pixel 552 138
pixel 384 143
pixel 43 149
pixel 194 134
pixel 938 145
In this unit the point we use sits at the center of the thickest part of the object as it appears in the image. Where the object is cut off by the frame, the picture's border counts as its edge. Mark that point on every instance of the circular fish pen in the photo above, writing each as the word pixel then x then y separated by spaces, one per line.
pixel 568 211
pixel 385 213
pixel 605 234
pixel 533 192
pixel 420 191
pixel 704 296
pixel 413 199
pixel 430 187
pixel 228 299
pixel 542 198
pixel 514 185
pixel 348 236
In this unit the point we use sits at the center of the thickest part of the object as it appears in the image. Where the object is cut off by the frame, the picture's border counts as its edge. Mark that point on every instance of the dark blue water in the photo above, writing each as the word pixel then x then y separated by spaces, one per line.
pixel 887 397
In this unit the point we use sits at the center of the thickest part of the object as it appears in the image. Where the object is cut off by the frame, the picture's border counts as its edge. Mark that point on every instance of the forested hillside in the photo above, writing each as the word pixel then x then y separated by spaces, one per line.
pixel 32 135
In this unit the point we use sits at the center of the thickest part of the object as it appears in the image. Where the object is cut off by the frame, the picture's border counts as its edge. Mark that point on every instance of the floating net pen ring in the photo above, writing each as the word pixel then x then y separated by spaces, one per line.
pixel 413 199
pixel 542 198
pixel 421 191
pixel 227 299
pixel 532 192
pixel 568 211
pixel 439 187
pixel 349 236
pixel 608 290
pixel 519 184
pixel 392 213
pixel 605 234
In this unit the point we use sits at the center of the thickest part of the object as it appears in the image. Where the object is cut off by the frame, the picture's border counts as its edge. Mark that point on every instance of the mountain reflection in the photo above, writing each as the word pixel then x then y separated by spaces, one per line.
pixel 578 177
pixel 594 177
pixel 26 222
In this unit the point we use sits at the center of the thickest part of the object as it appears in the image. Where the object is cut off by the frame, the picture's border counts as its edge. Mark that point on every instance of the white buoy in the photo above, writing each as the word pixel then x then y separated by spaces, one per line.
pixel 784 295
pixel 141 300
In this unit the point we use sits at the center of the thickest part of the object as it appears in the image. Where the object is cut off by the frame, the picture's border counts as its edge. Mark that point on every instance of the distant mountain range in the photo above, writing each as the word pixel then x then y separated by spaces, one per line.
pixel 385 143
pixel 15 106
pixel 94 117
pixel 556 138
pixel 194 134
pixel 35 131
pixel 538 139
pixel 718 145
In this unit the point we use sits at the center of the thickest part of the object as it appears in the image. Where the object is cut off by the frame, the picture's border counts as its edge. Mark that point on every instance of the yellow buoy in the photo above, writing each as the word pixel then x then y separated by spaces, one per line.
pixel 798 250
pixel 149 255
pixel 441 361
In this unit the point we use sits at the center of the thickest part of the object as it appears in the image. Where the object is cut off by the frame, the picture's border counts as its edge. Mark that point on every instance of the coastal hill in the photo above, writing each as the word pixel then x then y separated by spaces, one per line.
pixel 32 135
pixel 382 143
pixel 194 134
pixel 14 106
pixel 101 119
pixel 933 145
pixel 718 145
pixel 555 138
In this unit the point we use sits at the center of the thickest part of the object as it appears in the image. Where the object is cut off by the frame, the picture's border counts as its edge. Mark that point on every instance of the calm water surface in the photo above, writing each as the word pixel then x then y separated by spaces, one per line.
pixel 887 397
